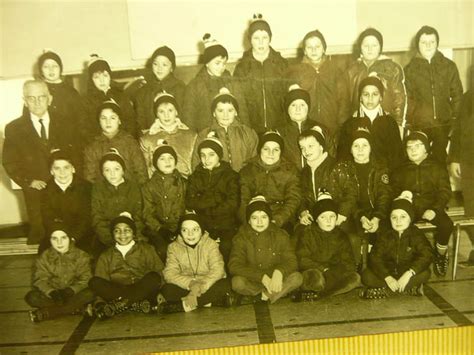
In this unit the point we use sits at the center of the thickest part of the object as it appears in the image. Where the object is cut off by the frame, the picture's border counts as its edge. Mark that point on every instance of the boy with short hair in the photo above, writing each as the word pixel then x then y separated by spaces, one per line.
pixel 60 278
pixel 429 183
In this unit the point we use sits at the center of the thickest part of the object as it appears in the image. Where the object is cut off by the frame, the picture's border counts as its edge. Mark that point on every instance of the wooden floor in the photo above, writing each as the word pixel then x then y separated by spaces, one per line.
pixel 446 304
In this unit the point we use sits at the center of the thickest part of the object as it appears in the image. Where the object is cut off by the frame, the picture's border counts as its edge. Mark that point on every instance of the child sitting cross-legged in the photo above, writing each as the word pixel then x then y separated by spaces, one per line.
pixel 324 254
pixel 127 274
pixel 401 257
pixel 60 278
pixel 262 260
pixel 194 272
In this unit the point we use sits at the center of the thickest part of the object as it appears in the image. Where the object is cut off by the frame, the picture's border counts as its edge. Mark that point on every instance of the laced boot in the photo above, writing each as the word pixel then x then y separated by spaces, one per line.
pixel 415 291
pixel 170 307
pixel 374 293
pixel 38 315
pixel 441 262
pixel 304 296
pixel 140 307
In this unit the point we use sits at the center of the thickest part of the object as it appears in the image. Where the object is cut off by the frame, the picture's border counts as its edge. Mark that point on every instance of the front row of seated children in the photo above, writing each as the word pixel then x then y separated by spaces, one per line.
pixel 130 275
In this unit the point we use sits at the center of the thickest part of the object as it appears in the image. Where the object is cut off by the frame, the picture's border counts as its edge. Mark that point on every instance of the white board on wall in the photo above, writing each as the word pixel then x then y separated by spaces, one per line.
pixel 181 24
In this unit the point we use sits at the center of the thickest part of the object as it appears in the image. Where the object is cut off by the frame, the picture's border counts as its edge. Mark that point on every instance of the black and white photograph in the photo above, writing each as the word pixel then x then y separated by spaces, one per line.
pixel 188 175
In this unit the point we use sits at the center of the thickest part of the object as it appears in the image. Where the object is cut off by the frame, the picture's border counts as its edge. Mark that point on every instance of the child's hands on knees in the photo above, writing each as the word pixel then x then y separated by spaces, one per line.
pixel 392 283
pixel 276 281
pixel 196 288
pixel 404 279
pixel 429 215
pixel 190 300
pixel 266 281
pixel 305 218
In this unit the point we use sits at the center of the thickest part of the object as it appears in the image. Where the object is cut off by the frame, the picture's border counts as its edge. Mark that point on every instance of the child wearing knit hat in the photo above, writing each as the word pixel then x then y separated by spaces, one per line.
pixel 261 71
pixel 60 278
pixel 127 274
pixel 159 77
pixel 386 140
pixel 263 261
pixel 274 177
pixel 202 89
pixel 101 88
pixel 324 254
pixel 214 192
pixel 109 117
pixel 434 91
pixel 163 198
pixel 373 62
pixel 169 127
pixel 239 141
pixel 400 259
pixel 194 272
pixel 429 182
pixel 112 195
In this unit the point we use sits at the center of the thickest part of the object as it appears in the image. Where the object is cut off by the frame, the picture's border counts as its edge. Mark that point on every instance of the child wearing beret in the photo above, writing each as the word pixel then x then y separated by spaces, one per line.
pixel 60 278
pixel 400 259
pixel 262 261
pixel 163 198
pixel 127 274
pixel 214 193
pixel 194 272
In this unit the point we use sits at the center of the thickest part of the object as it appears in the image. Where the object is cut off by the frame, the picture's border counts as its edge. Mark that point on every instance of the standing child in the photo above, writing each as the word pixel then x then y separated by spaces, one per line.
pixel 263 261
pixel 429 182
pixel 214 192
pixel 60 278
pixel 401 258
pixel 128 273
pixel 325 254
pixel 163 199
pixel 434 91
pixel 194 271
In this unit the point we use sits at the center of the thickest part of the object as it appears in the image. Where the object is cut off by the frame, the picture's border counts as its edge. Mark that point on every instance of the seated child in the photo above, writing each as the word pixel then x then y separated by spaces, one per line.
pixel 194 271
pixel 67 198
pixel 127 274
pixel 429 182
pixel 213 192
pixel 109 117
pixel 163 199
pixel 111 196
pixel 325 254
pixel 275 178
pixel 401 257
pixel 168 126
pixel 238 140
pixel 60 278
pixel 263 261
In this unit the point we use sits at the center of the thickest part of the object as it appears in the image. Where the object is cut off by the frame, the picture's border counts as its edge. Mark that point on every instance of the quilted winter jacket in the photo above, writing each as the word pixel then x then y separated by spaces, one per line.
pixel 164 200
pixel 434 90
pixel 264 87
pixel 203 263
pixel 54 271
pixel 279 184
pixel 391 74
pixel 254 254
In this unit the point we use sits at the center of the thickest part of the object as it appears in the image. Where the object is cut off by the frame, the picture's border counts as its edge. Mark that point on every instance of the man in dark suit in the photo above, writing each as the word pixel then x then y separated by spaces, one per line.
pixel 26 150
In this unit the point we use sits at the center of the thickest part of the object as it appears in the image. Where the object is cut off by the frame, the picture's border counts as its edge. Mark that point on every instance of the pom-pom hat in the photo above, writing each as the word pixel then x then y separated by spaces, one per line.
pixel 270 136
pixel 111 104
pixel 259 24
pixel 324 203
pixel 212 49
pixel 164 97
pixel 162 148
pixel 258 203
pixel 419 136
pixel 404 202
pixel 212 142
pixel 97 64
pixel 224 95
pixel 49 54
pixel 374 81
pixel 124 217
pixel 112 155
pixel 295 92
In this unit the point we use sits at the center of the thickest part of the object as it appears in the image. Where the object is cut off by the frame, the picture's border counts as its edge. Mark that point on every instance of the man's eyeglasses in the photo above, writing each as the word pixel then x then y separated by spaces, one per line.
pixel 35 99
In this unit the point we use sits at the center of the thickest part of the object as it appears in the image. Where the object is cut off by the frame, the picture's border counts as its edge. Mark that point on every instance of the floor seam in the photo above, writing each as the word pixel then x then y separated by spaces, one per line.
pixel 78 335
pixel 265 329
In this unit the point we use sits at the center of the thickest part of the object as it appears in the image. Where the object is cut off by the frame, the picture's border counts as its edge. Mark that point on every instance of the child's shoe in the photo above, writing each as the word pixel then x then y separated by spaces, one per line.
pixel 440 265
pixel 228 300
pixel 374 293
pixel 140 306
pixel 117 306
pixel 38 315
pixel 170 307
pixel 304 296
pixel 415 291
pixel 103 312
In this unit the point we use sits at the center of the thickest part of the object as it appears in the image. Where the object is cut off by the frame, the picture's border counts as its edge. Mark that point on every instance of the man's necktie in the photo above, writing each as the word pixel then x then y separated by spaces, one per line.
pixel 43 130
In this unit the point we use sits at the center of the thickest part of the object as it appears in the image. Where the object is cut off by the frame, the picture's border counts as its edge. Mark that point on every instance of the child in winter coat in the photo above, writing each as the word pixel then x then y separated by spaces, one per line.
pixel 429 182
pixel 214 193
pixel 273 177
pixel 400 259
pixel 325 254
pixel 160 78
pixel 238 140
pixel 434 91
pixel 194 271
pixel 373 62
pixel 60 278
pixel 163 199
pixel 262 71
pixel 386 139
pixel 109 115
pixel 128 274
pixel 263 261
pixel 111 196
pixel 168 126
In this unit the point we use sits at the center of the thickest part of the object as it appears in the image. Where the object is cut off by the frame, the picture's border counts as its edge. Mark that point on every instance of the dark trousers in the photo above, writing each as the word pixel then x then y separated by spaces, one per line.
pixel 214 295
pixel 36 232
pixel 159 242
pixel 369 279
pixel 38 299
pixel 335 282
pixel 439 135
pixel 145 288
pixel 444 228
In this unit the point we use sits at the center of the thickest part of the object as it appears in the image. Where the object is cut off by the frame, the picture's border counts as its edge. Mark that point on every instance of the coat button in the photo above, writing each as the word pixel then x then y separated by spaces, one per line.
pixel 165 197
